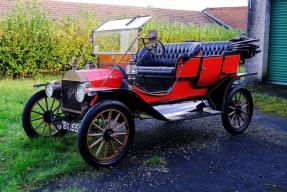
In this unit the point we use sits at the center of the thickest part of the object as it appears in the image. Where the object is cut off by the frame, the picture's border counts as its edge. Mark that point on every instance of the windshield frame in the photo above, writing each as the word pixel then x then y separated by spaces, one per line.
pixel 104 28
pixel 118 24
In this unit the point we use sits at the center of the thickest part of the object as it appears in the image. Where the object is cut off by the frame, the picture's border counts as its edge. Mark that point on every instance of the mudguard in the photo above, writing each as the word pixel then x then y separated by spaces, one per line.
pixel 217 94
pixel 36 86
pixel 133 101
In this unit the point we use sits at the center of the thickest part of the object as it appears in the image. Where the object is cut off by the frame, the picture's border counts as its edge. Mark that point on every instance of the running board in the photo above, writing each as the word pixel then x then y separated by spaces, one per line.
pixel 186 110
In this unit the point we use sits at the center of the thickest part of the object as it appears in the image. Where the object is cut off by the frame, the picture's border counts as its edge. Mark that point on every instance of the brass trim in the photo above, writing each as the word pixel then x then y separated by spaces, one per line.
pixel 71 110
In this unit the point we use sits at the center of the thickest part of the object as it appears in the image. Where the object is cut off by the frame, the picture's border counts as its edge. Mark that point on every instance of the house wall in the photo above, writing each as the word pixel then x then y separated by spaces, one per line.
pixel 258 26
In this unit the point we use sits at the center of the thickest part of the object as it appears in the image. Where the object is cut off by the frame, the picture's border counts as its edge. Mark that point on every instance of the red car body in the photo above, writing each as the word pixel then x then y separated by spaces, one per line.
pixel 169 82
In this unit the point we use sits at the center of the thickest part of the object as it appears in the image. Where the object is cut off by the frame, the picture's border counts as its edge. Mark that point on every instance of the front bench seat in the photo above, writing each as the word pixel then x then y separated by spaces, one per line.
pixel 161 71
pixel 157 73
pixel 164 65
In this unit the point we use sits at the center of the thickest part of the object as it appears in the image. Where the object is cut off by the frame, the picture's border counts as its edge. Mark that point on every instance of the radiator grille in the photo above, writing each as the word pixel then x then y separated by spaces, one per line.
pixel 70 102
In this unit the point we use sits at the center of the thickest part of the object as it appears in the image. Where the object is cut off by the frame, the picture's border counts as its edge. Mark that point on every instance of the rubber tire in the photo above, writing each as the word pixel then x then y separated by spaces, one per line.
pixel 83 131
pixel 26 116
pixel 225 119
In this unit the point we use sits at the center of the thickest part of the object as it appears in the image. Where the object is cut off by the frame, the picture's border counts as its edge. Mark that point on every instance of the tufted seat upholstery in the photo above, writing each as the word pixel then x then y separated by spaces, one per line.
pixel 164 64
pixel 214 48
pixel 156 73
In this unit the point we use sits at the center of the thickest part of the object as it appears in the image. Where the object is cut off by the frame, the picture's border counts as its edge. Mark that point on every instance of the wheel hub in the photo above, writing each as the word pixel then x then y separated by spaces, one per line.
pixel 108 134
pixel 238 110
pixel 48 116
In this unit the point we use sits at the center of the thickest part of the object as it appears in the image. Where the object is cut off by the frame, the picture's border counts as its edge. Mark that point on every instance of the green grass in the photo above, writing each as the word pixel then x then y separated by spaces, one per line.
pixel 155 160
pixel 25 163
pixel 271 104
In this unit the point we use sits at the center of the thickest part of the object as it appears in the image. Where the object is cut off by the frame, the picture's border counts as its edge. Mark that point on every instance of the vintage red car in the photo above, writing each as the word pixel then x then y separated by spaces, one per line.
pixel 169 82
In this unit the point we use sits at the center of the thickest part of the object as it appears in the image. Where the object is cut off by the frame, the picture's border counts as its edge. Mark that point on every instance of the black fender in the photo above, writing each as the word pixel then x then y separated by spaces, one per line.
pixel 132 100
pixel 36 86
pixel 217 94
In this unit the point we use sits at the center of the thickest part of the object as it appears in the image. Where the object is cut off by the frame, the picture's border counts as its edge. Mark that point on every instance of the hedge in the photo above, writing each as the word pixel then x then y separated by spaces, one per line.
pixel 32 44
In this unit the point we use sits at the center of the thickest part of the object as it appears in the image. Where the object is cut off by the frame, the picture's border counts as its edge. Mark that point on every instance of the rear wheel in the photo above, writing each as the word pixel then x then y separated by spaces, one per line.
pixel 106 133
pixel 42 116
pixel 238 110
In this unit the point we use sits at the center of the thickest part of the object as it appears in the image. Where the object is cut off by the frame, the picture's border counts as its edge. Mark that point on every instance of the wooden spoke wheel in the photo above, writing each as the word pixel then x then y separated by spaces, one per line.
pixel 238 110
pixel 106 133
pixel 42 116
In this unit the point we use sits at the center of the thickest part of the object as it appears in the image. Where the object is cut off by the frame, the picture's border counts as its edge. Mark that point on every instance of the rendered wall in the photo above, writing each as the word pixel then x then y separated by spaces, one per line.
pixel 258 26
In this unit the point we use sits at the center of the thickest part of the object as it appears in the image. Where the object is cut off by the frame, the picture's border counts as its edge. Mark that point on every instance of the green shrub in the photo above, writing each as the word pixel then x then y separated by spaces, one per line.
pixel 31 43
pixel 178 32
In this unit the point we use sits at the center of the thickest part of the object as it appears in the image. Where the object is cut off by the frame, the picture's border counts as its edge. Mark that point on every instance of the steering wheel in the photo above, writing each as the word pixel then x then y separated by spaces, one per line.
pixel 154 47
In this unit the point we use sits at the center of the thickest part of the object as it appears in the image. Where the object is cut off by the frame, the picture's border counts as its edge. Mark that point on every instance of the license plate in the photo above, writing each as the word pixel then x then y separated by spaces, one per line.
pixel 71 126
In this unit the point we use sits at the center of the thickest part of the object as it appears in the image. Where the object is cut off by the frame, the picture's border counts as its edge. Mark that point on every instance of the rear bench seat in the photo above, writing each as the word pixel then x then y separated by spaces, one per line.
pixel 214 48
pixel 164 65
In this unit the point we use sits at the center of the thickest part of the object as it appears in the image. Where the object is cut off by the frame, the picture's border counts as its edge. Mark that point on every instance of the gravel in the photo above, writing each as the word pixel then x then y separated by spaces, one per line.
pixel 200 156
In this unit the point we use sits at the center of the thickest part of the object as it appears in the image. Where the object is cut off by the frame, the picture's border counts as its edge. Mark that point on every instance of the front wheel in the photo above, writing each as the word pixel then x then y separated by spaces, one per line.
pixel 106 133
pixel 42 116
pixel 238 110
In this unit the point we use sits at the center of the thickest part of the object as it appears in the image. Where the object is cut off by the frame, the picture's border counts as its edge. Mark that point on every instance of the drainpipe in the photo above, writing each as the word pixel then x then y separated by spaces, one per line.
pixel 217 20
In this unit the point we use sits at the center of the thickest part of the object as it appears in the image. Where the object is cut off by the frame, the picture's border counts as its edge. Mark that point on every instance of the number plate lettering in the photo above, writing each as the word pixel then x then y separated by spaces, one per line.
pixel 71 126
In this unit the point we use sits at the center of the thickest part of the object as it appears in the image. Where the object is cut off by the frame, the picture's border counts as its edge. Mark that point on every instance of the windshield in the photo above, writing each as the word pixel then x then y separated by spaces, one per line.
pixel 124 24
pixel 118 36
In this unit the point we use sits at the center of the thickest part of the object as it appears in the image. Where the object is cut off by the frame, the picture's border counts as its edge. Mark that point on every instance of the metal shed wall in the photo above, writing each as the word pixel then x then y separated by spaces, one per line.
pixel 277 60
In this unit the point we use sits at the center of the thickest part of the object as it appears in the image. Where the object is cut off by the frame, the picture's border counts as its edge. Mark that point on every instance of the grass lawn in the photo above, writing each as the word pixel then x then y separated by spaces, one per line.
pixel 271 104
pixel 25 163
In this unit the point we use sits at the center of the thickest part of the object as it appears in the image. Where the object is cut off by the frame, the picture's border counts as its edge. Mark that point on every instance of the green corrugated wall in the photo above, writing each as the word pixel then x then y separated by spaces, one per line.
pixel 277 62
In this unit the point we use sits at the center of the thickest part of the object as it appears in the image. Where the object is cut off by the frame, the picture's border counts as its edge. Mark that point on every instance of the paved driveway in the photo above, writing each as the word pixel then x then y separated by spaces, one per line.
pixel 200 156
